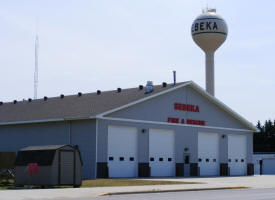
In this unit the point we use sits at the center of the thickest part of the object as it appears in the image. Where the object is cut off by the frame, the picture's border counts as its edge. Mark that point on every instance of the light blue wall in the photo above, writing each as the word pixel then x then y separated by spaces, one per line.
pixel 84 135
pixel 15 137
pixel 162 107
pixel 186 137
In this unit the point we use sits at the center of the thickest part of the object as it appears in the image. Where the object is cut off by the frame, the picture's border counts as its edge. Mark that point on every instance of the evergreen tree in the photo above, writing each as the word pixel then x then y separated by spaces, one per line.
pixel 264 140
pixel 259 126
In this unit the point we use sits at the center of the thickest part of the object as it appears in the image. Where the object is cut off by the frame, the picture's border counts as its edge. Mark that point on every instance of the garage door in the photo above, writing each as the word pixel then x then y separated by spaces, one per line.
pixel 122 151
pixel 237 145
pixel 162 152
pixel 268 166
pixel 208 154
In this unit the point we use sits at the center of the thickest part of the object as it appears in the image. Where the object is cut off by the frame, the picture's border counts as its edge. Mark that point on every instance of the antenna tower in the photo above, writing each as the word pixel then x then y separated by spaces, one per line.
pixel 36 66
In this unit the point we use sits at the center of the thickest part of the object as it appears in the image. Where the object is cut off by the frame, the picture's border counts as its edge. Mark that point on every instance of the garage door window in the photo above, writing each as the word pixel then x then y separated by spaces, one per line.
pixel 132 159
pixel 236 160
pixel 160 159
pixel 152 159
pixel 229 160
pixel 242 160
pixel 214 160
pixel 207 159
pixel 111 158
pixel 121 158
pixel 169 159
pixel 200 159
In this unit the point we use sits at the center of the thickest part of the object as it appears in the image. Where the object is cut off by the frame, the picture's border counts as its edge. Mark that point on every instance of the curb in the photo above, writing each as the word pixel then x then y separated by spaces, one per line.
pixel 177 190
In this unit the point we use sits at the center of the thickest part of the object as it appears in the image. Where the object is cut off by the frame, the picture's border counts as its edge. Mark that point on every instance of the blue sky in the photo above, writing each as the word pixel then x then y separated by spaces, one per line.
pixel 87 45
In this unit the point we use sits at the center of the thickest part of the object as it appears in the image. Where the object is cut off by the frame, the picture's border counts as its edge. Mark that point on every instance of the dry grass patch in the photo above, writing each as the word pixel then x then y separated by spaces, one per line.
pixel 128 182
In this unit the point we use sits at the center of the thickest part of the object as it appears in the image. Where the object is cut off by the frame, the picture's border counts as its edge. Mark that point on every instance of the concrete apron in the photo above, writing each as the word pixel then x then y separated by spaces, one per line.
pixel 214 183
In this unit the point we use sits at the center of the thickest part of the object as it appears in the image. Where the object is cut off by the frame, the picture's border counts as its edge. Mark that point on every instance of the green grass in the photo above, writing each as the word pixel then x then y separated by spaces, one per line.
pixel 6 184
pixel 105 183
pixel 128 182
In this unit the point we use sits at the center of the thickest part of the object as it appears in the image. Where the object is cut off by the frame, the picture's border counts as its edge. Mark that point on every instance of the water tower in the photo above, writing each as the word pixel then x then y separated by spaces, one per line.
pixel 209 31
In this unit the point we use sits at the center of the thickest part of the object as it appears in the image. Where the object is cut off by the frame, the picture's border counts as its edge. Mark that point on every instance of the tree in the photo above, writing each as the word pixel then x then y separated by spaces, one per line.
pixel 264 140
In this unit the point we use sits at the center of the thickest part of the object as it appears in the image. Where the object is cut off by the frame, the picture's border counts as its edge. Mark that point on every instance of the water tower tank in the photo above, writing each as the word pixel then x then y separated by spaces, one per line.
pixel 209 31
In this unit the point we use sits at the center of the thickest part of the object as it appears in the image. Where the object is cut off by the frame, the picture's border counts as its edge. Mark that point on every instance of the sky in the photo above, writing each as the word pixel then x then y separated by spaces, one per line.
pixel 86 45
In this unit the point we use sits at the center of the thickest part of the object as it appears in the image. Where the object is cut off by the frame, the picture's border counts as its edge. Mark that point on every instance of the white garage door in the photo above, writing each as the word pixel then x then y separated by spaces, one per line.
pixel 268 166
pixel 162 152
pixel 122 151
pixel 237 145
pixel 208 154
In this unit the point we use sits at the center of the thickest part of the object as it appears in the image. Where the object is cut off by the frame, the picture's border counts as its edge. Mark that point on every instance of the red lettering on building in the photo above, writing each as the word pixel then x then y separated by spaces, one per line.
pixel 195 122
pixel 173 120
pixel 186 107
pixel 188 121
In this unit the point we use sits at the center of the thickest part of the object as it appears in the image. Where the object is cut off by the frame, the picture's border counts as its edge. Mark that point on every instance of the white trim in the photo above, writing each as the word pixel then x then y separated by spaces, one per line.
pixel 171 124
pixel 32 121
pixel 143 99
pixel 223 106
pixel 46 120
pixel 191 83
pixel 198 89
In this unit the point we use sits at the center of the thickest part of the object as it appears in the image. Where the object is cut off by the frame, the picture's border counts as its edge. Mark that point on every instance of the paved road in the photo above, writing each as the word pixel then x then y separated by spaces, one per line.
pixel 242 194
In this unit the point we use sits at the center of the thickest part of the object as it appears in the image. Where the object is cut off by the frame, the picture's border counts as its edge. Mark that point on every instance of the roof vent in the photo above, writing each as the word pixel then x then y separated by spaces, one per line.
pixel 140 87
pixel 164 84
pixel 62 96
pixel 1 103
pixel 118 90
pixel 79 94
pixel 14 102
pixel 45 98
pixel 29 100
pixel 149 87
pixel 98 92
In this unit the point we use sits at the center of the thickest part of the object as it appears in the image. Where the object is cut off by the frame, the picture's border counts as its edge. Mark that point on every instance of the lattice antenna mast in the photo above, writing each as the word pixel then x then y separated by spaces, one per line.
pixel 36 66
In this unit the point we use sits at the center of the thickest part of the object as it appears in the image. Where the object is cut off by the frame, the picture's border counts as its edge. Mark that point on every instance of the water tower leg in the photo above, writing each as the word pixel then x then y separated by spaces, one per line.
pixel 209 72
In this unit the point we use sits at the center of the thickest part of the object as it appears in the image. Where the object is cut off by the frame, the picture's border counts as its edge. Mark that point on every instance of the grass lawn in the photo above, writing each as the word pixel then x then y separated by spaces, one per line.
pixel 6 184
pixel 128 182
pixel 106 183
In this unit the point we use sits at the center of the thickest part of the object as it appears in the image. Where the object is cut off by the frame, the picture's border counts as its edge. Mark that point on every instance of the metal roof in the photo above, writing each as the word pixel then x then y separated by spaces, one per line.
pixel 46 147
pixel 93 105
pixel 73 106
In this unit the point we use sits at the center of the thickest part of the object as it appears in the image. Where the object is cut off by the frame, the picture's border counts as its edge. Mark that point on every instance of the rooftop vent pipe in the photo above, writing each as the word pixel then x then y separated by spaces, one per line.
pixel 140 87
pixel 14 102
pixel 62 96
pixel 98 92
pixel 29 100
pixel 174 75
pixel 149 87
pixel 118 90
pixel 79 94
pixel 45 98
pixel 1 103
pixel 164 84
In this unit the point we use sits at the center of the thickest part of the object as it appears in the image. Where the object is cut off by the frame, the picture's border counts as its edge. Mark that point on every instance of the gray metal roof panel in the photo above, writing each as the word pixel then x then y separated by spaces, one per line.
pixel 73 106
pixel 46 147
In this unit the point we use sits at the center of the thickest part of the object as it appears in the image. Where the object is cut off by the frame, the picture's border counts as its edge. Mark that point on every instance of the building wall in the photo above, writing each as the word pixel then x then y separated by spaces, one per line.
pixel 261 156
pixel 83 134
pixel 15 137
pixel 162 107
pixel 186 137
